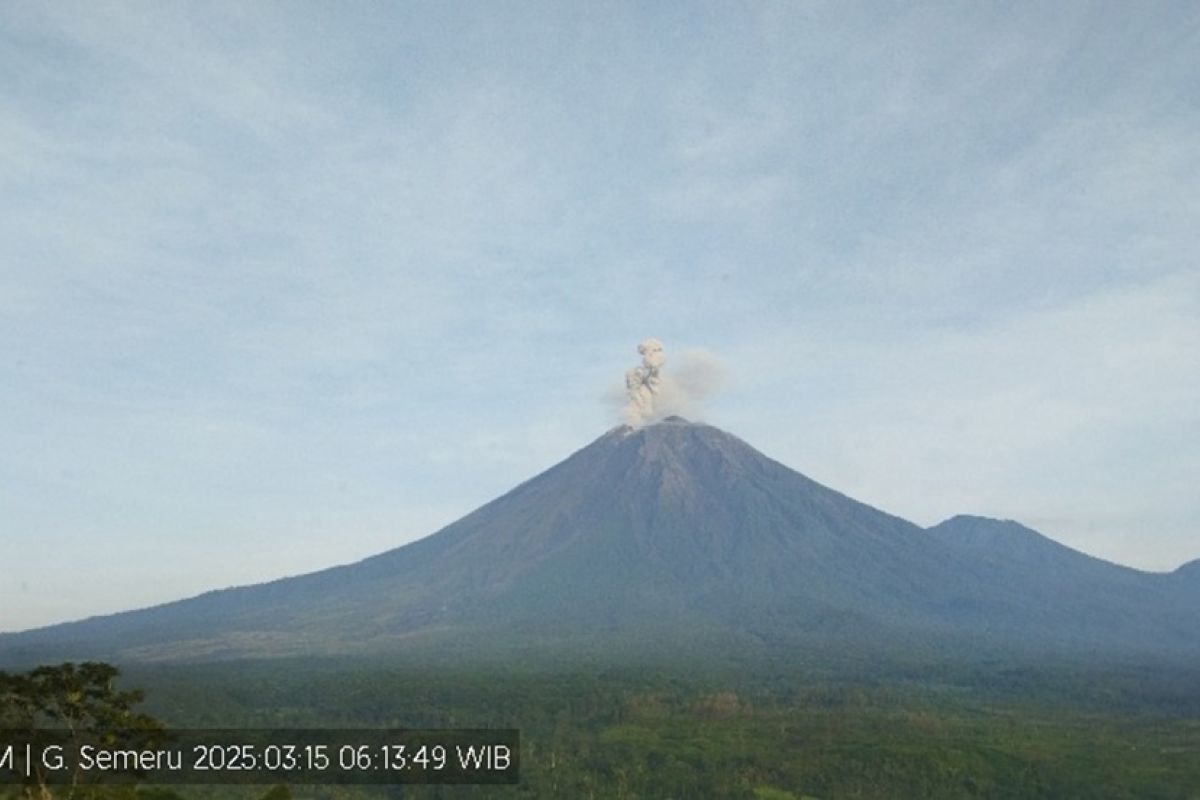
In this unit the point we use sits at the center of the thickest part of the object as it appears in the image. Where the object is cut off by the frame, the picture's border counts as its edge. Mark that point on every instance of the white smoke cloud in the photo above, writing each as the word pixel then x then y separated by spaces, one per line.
pixel 652 393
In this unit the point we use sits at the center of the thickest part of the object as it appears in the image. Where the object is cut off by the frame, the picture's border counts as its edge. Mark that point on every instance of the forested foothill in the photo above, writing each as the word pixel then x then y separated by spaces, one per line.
pixel 977 729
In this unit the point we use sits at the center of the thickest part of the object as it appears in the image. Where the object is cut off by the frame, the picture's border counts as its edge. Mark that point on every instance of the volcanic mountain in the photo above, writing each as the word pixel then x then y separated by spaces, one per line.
pixel 675 536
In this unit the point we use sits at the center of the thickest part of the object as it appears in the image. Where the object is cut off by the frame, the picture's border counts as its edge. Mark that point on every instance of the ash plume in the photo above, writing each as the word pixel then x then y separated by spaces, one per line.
pixel 645 382
pixel 651 393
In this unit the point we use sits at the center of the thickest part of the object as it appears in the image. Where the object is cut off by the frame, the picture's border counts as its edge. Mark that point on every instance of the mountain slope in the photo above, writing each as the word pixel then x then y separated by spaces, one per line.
pixel 1190 570
pixel 674 533
pixel 1085 598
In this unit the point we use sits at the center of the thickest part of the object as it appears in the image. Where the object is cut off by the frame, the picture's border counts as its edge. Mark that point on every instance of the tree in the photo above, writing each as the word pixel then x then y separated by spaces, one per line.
pixel 82 700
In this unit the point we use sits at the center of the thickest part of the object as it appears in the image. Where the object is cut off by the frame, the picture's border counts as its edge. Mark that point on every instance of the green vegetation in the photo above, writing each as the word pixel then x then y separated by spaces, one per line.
pixel 999 732
pixel 74 697
pixel 82 700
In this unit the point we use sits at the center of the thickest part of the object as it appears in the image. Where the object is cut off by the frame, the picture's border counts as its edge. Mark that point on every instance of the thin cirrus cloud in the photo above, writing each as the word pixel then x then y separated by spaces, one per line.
pixel 1078 420
pixel 313 282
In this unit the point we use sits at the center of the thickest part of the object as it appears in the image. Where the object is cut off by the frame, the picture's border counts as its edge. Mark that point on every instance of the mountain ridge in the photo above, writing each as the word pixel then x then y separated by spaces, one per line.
pixel 676 531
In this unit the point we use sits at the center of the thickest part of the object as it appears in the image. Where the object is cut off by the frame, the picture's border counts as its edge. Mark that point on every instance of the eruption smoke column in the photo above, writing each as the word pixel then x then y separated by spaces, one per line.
pixel 652 393
pixel 644 383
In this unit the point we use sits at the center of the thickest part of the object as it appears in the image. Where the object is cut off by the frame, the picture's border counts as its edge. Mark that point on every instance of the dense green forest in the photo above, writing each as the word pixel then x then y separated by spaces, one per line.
pixel 998 730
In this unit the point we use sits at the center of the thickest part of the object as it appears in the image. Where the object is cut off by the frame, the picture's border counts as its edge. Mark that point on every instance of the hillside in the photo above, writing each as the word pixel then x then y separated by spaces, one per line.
pixel 676 535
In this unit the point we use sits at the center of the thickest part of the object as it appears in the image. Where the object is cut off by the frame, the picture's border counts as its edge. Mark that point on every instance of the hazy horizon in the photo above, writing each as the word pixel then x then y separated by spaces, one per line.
pixel 289 285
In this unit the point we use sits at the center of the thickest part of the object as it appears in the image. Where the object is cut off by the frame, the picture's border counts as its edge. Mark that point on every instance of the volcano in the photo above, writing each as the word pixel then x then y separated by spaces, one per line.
pixel 674 537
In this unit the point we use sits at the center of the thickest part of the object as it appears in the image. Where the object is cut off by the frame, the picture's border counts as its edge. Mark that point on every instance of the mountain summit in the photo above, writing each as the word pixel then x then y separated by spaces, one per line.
pixel 673 534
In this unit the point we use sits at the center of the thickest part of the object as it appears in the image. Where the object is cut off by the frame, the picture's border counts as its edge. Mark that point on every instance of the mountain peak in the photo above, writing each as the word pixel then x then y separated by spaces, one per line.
pixel 1191 569
pixel 673 421
pixel 670 532
pixel 976 520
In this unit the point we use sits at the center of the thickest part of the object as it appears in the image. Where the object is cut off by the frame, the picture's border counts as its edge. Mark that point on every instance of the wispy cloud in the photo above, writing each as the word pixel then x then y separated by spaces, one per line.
pixel 252 254
pixel 1082 416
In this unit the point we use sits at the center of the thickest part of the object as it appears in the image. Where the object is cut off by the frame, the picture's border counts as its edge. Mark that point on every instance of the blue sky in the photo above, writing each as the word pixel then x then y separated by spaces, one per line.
pixel 285 285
